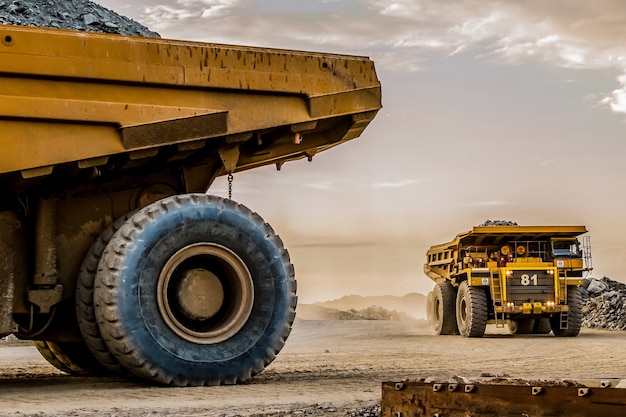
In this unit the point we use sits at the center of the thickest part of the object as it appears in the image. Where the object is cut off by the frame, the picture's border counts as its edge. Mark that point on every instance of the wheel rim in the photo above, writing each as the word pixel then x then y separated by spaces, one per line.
pixel 205 293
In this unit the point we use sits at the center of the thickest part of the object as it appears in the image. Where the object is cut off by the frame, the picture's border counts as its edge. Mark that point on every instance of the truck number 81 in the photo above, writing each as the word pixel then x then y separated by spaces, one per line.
pixel 529 279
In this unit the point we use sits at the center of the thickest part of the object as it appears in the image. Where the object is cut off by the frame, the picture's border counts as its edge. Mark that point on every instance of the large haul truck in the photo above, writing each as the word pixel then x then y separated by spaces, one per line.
pixel 525 277
pixel 112 256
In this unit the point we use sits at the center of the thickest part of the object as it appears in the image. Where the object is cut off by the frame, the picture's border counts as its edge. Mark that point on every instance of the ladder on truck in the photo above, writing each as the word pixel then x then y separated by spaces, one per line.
pixel 496 295
pixel 587 261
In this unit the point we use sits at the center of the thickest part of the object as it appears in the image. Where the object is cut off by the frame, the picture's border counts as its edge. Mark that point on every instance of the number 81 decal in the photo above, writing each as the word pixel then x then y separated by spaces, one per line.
pixel 528 279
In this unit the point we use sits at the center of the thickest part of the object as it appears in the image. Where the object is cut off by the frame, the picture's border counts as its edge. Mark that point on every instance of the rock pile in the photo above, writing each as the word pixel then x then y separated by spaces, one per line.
pixel 498 223
pixel 604 304
pixel 80 15
pixel 369 313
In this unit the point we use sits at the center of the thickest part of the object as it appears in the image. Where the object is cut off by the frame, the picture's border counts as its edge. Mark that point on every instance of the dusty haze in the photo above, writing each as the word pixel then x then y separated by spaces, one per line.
pixel 492 110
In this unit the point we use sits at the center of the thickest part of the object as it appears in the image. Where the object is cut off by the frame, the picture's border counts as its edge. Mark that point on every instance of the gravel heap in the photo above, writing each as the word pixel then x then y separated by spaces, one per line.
pixel 604 304
pixel 80 15
pixel 369 313
pixel 497 223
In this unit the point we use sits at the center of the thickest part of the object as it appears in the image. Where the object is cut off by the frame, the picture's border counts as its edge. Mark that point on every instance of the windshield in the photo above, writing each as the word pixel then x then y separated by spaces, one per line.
pixel 565 248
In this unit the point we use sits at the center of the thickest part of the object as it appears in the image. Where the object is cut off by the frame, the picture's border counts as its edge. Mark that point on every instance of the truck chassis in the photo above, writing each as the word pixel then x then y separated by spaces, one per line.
pixel 113 258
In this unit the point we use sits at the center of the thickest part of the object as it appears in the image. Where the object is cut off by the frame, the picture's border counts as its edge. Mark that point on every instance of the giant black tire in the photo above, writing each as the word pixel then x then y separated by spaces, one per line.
pixel 430 308
pixel 195 290
pixel 71 358
pixel 85 312
pixel 574 316
pixel 471 310
pixel 443 309
pixel 542 326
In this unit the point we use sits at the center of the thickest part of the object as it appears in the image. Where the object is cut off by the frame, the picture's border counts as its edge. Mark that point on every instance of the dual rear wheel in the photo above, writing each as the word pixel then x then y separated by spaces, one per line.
pixel 454 311
pixel 191 290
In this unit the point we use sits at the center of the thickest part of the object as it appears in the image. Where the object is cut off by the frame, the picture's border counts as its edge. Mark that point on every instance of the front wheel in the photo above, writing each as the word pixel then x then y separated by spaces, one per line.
pixel 574 317
pixel 195 290
pixel 430 303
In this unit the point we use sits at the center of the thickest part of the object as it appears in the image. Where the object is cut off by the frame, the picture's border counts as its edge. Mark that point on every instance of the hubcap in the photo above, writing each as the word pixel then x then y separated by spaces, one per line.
pixel 200 294
pixel 205 293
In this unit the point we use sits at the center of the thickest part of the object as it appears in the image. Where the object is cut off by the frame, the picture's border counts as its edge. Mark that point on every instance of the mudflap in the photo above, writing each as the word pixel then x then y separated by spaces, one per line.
pixel 504 398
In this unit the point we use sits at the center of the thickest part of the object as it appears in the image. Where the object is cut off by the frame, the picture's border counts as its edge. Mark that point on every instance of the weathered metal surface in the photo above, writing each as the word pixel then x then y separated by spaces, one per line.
pixel 10 229
pixel 74 97
pixel 94 126
pixel 523 399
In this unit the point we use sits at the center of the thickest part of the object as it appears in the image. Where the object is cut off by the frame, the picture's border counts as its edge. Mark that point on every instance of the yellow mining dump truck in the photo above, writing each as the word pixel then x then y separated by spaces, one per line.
pixel 525 277
pixel 112 256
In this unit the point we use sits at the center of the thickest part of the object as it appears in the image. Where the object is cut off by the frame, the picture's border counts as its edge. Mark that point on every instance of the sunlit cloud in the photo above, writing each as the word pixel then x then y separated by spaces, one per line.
pixel 322 186
pixel 395 184
pixel 399 34
pixel 161 16
pixel 617 99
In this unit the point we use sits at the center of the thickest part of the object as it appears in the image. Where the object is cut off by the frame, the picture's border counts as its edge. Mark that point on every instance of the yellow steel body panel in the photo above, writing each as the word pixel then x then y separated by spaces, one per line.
pixel 514 267
pixel 72 96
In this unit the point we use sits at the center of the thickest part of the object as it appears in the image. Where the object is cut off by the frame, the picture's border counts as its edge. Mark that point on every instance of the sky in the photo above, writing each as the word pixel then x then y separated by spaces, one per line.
pixel 491 110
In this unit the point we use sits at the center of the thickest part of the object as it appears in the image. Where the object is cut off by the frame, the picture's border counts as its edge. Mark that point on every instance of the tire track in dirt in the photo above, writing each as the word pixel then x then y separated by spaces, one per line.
pixel 326 368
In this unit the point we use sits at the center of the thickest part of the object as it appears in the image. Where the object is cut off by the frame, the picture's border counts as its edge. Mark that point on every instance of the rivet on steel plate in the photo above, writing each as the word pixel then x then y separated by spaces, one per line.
pixel 437 387
pixel 399 386
pixel 470 388
pixel 537 390
pixel 583 392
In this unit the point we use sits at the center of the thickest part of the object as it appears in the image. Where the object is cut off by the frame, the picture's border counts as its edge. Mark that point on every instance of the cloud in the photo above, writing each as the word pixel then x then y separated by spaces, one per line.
pixel 395 184
pixel 617 99
pixel 401 34
pixel 161 16
pixel 321 186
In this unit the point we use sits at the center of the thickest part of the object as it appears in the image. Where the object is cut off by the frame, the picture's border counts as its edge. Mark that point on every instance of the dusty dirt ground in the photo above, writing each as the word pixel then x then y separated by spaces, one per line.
pixel 330 368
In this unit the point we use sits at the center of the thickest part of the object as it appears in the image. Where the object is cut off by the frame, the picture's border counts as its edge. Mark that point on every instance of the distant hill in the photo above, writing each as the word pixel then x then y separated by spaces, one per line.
pixel 356 307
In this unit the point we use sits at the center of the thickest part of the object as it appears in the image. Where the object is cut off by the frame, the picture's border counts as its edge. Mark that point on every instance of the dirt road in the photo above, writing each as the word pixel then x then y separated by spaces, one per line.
pixel 328 368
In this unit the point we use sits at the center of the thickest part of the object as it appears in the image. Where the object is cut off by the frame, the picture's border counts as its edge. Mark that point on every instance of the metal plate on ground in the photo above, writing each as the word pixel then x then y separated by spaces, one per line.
pixel 450 399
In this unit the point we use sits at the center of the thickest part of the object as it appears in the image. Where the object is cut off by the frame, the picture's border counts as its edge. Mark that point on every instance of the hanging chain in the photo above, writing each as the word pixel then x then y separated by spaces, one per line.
pixel 230 186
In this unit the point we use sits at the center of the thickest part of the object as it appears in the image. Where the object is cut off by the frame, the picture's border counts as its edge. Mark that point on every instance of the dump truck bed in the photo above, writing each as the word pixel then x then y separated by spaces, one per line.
pixel 72 101
pixel 495 235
